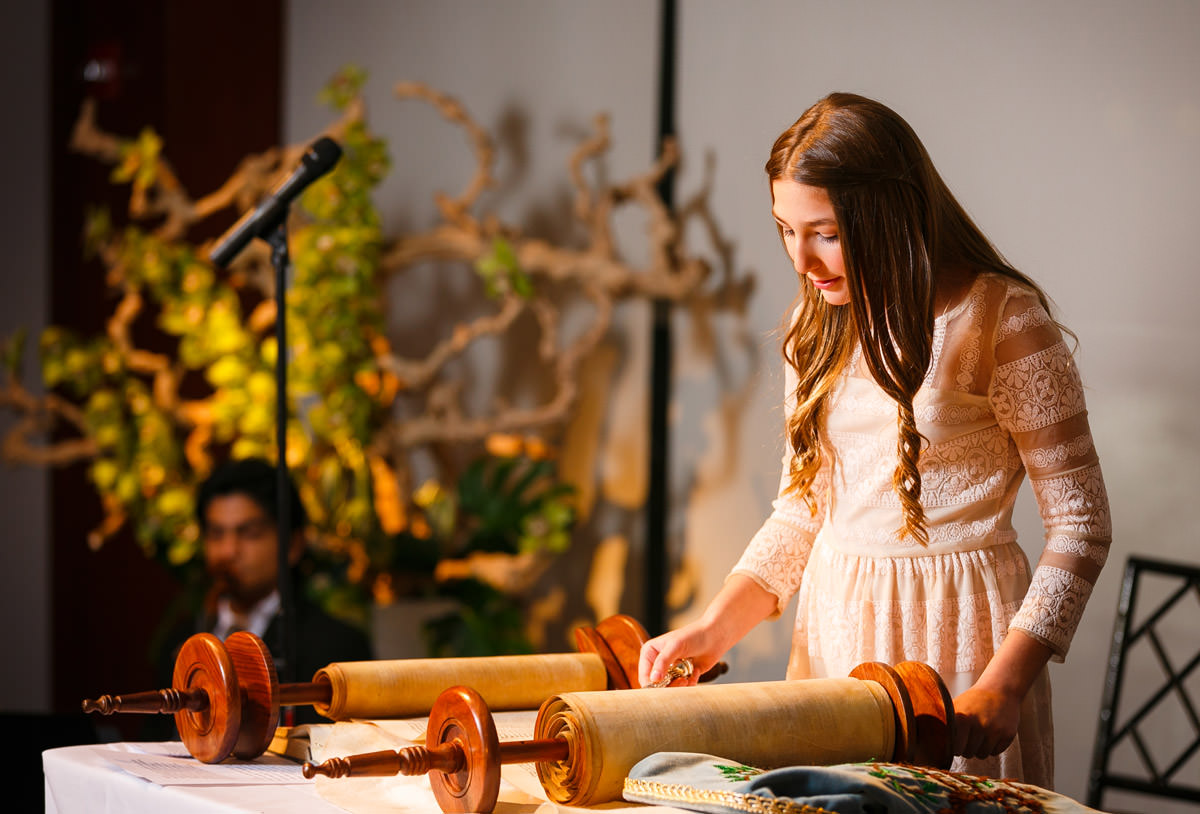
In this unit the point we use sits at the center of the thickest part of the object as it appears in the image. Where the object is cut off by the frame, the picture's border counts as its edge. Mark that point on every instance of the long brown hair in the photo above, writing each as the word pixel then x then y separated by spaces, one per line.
pixel 899 226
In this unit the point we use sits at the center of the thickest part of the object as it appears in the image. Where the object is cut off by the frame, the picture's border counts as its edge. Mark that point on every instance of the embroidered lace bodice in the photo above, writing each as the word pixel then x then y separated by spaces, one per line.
pixel 1002 399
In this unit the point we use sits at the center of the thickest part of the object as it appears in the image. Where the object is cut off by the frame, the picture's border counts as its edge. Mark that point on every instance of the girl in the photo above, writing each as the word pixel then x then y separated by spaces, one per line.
pixel 925 378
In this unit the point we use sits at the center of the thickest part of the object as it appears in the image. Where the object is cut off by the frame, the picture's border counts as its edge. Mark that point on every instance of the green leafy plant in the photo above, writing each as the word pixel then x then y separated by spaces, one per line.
pixel 503 504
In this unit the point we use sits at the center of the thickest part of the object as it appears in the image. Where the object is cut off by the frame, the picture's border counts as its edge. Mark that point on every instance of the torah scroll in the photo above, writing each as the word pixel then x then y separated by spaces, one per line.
pixel 408 688
pixel 767 725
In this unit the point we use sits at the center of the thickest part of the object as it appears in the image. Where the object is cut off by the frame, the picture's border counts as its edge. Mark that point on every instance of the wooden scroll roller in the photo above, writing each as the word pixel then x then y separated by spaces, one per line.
pixel 226 697
pixel 587 742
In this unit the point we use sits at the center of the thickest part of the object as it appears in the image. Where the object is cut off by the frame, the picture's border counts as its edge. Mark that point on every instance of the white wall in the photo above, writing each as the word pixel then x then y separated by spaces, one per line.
pixel 536 70
pixel 1068 129
pixel 24 270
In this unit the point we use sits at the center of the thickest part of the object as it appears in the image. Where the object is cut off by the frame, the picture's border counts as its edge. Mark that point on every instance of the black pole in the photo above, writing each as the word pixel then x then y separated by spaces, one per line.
pixel 286 664
pixel 660 359
pixel 269 222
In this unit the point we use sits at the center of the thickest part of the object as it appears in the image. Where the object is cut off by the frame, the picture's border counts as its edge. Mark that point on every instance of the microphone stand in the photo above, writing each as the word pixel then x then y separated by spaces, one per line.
pixel 269 222
pixel 277 239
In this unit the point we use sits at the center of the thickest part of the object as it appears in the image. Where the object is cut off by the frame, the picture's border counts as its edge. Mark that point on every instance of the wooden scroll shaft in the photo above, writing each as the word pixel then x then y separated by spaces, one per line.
pixel 171 700
pixel 167 701
pixel 226 697
pixel 462 753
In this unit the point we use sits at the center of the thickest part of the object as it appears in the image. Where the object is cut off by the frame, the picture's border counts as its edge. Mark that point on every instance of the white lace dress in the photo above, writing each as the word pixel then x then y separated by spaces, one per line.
pixel 1002 398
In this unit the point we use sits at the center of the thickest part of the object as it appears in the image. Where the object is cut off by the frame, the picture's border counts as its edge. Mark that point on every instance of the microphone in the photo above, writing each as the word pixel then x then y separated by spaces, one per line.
pixel 319 159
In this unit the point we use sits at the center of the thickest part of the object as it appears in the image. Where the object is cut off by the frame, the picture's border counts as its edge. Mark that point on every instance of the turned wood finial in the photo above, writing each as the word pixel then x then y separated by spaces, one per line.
pixel 334 767
pixel 168 701
pixel 105 704
pixel 411 760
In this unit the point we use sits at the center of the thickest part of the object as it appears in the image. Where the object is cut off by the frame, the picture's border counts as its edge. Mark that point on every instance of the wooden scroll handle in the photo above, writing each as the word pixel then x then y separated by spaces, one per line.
pixel 205 698
pixel 923 711
pixel 171 700
pixel 462 754
pixel 168 701
pixel 618 642
pixel 933 714
pixel 225 697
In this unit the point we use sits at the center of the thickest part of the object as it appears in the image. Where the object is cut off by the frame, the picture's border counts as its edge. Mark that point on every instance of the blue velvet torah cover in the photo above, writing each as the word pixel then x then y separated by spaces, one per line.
pixel 712 784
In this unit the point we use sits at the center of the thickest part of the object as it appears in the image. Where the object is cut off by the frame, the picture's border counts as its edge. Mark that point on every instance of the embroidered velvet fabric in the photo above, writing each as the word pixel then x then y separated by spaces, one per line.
pixel 712 784
pixel 1002 399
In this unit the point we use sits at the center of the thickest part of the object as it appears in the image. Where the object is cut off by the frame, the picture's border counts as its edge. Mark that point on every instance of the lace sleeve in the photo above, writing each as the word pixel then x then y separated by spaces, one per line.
pixel 1038 398
pixel 778 551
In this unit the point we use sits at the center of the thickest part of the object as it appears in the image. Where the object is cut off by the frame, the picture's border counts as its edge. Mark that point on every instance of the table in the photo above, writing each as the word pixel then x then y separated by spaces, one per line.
pixel 91 780
pixel 86 779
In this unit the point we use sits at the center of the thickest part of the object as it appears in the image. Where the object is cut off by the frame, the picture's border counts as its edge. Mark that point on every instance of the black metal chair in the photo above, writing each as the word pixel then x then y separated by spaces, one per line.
pixel 1123 731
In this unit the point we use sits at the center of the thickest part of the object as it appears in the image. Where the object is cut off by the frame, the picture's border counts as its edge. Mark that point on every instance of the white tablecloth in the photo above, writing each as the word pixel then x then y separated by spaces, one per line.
pixel 90 780
pixel 86 780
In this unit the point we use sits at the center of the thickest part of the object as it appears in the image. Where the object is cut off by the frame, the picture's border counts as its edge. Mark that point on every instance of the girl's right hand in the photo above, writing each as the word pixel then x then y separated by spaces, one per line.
pixel 740 605
pixel 692 641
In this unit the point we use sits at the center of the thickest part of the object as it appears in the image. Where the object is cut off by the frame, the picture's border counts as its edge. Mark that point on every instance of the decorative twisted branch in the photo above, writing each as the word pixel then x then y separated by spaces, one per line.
pixel 434 414
pixel 595 270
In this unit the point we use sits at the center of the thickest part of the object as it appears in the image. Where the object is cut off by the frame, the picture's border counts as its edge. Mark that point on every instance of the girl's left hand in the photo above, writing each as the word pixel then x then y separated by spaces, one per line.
pixel 985 722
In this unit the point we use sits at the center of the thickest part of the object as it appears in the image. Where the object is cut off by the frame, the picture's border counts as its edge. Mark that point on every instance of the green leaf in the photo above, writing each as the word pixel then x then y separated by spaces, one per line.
pixel 501 273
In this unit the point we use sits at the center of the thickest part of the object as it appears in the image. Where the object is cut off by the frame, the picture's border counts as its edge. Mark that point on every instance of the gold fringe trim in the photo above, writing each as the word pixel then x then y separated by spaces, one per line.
pixel 752 803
